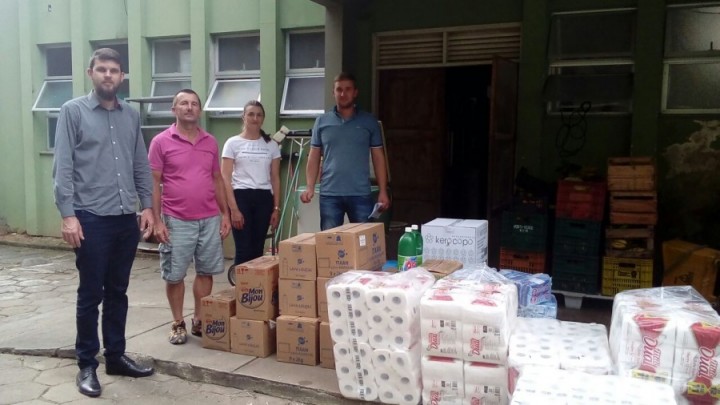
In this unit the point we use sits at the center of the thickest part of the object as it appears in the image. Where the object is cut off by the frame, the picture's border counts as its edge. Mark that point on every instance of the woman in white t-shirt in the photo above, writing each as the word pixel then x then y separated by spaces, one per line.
pixel 251 173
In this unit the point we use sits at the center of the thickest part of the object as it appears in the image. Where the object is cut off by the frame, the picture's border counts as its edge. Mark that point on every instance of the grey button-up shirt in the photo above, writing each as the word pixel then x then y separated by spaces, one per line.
pixel 101 162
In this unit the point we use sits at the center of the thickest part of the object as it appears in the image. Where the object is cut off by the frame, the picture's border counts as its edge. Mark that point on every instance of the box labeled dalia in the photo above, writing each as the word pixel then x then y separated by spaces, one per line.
pixel 256 287
pixel 350 247
pixel 216 310
pixel 464 240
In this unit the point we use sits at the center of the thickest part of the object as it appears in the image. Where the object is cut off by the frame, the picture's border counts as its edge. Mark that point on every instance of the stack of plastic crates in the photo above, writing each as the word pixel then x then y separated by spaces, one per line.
pixel 523 239
pixel 579 214
pixel 630 237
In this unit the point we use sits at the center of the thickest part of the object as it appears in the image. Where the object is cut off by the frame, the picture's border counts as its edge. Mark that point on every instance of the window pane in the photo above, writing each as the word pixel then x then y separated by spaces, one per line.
pixel 52 126
pixel 307 50
pixel 59 61
pixel 692 30
pixel 592 36
pixel 172 57
pixel 167 88
pixel 124 89
pixel 233 94
pixel 239 54
pixel 54 94
pixel 122 49
pixel 305 94
pixel 596 88
pixel 701 78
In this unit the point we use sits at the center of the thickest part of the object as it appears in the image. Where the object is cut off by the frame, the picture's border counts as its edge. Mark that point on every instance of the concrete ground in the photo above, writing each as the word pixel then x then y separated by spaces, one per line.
pixel 37 310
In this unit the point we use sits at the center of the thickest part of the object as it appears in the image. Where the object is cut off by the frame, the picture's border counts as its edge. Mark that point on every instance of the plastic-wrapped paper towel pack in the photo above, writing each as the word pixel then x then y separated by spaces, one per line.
pixel 374 324
pixel 669 335
pixel 550 386
pixel 535 296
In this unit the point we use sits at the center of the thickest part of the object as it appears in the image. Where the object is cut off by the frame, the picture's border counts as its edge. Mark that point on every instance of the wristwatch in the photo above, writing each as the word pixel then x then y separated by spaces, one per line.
pixel 276 208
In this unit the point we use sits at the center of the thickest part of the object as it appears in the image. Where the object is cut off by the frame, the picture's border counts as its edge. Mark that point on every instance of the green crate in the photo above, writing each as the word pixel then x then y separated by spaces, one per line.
pixel 577 238
pixel 524 232
pixel 586 284
pixel 588 266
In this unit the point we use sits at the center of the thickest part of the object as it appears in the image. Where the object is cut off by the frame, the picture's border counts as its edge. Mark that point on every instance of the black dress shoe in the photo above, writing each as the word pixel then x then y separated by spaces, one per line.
pixel 87 382
pixel 127 367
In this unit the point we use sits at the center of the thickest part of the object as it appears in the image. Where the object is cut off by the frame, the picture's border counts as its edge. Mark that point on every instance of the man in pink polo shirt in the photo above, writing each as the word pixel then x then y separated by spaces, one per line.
pixel 193 221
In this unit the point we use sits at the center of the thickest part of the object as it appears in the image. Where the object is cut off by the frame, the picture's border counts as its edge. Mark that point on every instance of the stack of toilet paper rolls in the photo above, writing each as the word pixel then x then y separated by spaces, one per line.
pixel 548 386
pixel 669 335
pixel 465 326
pixel 374 324
pixel 554 344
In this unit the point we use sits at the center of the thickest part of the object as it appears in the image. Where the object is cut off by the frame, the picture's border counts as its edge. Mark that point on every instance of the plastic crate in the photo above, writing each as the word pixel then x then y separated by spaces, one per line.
pixel 576 283
pixel 524 232
pixel 588 266
pixel 625 273
pixel 529 262
pixel 576 237
pixel 581 200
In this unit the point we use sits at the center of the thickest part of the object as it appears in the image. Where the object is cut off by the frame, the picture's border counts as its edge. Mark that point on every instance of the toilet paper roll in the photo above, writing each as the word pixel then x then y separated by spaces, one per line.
pixel 378 318
pixel 406 361
pixel 404 320
pixel 336 294
pixel 401 299
pixel 381 358
pixel 375 299
pixel 645 347
pixel 351 389
pixel 484 374
pixel 366 352
pixel 442 378
pixel 590 356
pixel 485 343
pixel 388 395
pixel 443 304
pixel 410 396
pixel 343 352
pixel 385 376
pixel 346 370
pixel 338 313
pixel 441 337
pixel 359 314
pixel 402 339
pixel 379 338
pixel 358 294
pixel 340 334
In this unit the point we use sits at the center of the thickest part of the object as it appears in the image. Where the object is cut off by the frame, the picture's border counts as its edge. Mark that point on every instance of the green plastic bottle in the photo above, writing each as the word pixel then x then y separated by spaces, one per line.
pixel 407 251
pixel 418 243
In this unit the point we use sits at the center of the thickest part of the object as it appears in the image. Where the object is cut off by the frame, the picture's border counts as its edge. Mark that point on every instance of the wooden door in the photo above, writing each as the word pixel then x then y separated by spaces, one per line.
pixel 501 148
pixel 412 111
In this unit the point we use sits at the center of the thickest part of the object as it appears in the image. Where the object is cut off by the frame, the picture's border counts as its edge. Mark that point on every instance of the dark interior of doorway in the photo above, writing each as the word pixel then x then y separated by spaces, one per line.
pixel 465 179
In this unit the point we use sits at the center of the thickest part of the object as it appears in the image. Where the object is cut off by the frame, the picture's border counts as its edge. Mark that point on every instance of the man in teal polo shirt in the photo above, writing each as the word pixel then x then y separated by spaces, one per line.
pixel 345 138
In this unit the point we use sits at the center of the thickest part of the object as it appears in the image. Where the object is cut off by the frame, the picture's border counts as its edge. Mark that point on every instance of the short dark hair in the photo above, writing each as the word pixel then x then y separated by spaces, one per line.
pixel 346 76
pixel 185 91
pixel 106 54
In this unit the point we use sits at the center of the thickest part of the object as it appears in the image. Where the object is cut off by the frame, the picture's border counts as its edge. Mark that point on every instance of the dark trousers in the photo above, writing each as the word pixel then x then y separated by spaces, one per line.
pixel 104 260
pixel 256 207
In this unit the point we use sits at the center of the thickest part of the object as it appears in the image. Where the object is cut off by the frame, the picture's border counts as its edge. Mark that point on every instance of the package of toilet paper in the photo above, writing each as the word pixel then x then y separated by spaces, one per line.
pixel 546 309
pixel 532 288
pixel 375 327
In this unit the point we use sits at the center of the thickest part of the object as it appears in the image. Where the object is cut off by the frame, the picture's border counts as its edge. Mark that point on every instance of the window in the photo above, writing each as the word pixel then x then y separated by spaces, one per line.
pixel 237 74
pixel 304 91
pixel 171 69
pixel 590 66
pixel 692 60
pixel 122 49
pixel 57 86
pixel 51 127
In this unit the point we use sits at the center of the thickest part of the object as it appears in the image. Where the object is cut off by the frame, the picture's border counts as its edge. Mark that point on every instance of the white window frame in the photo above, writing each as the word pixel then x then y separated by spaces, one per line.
pixel 164 77
pixel 298 74
pixel 555 67
pixel 221 77
pixel 51 116
pixel 54 79
pixel 686 60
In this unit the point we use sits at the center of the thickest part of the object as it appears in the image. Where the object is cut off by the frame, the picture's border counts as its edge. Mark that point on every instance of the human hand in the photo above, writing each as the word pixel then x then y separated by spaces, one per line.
pixel 307 195
pixel 224 226
pixel 146 222
pixel 384 200
pixel 72 231
pixel 275 219
pixel 161 232
pixel 237 219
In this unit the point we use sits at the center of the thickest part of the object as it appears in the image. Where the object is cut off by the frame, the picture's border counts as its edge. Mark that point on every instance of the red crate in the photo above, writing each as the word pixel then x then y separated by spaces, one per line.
pixel 581 200
pixel 529 262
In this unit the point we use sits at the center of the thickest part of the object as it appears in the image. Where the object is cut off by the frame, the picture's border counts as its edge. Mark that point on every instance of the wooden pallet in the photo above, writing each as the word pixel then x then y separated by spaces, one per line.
pixel 631 174
pixel 633 201
pixel 635 241
pixel 633 218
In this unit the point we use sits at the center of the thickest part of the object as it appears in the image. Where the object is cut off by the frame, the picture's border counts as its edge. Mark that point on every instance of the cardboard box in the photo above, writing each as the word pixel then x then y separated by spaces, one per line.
pixel 256 286
pixel 215 313
pixel 440 267
pixel 322 302
pixel 297 340
pixel 686 263
pixel 297 257
pixel 298 297
pixel 252 338
pixel 465 240
pixel 327 356
pixel 350 247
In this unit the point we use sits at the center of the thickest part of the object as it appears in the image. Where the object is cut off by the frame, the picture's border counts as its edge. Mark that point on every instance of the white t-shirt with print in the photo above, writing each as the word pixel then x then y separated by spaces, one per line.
pixel 251 162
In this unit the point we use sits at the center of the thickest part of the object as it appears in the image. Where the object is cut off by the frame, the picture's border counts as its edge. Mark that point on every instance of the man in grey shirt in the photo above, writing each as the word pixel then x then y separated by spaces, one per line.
pixel 101 170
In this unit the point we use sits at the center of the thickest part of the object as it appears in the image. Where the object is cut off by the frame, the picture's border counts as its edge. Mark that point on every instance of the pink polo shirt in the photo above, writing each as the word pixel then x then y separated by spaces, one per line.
pixel 187 173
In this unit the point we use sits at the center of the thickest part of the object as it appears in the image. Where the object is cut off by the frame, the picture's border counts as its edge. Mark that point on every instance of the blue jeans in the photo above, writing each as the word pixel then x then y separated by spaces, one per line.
pixel 103 260
pixel 256 207
pixel 334 208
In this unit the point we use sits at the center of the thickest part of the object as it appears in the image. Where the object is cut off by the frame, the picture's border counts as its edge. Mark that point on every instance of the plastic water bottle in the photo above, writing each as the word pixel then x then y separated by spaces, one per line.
pixel 407 251
pixel 418 243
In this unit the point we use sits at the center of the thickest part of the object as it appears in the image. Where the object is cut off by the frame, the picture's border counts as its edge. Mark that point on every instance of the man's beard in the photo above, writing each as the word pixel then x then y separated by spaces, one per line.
pixel 107 95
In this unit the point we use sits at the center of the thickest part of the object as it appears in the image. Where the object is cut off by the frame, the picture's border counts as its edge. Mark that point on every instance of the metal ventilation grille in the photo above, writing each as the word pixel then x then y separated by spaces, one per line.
pixel 460 46
pixel 410 49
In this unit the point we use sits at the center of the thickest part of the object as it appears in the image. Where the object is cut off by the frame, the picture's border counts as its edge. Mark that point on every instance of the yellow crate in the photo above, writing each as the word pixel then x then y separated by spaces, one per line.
pixel 625 273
